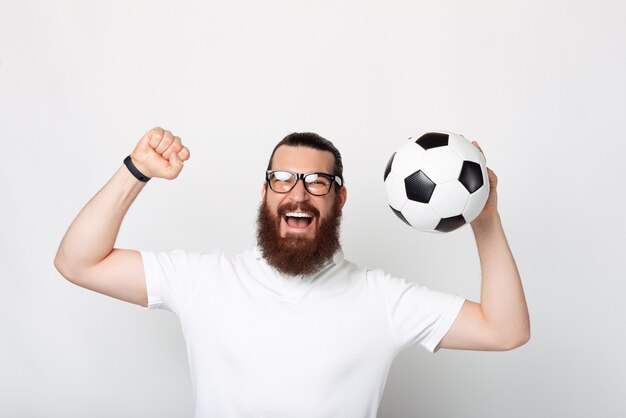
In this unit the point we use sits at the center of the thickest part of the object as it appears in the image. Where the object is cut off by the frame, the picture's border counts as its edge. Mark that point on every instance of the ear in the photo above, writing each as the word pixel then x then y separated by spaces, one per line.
pixel 263 190
pixel 343 196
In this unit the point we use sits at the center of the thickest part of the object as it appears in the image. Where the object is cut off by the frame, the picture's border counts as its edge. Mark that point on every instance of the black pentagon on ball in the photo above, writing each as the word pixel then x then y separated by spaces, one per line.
pixel 400 215
pixel 471 176
pixel 419 187
pixel 388 168
pixel 432 140
pixel 450 224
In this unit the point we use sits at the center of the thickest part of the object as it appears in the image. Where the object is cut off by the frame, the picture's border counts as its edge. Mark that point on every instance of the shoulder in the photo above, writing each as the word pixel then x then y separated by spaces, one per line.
pixel 383 281
pixel 373 278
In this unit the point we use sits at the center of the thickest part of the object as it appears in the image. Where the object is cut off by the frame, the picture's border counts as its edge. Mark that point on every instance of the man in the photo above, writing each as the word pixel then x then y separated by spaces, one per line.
pixel 290 329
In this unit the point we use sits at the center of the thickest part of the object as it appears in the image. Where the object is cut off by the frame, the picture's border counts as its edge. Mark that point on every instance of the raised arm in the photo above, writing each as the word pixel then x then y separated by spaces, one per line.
pixel 86 256
pixel 500 321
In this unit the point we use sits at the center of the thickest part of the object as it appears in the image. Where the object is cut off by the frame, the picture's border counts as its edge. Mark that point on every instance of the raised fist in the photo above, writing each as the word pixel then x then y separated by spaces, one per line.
pixel 160 154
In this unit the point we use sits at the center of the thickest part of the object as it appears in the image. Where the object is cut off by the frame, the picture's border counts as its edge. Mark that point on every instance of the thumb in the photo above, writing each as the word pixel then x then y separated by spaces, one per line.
pixel 175 167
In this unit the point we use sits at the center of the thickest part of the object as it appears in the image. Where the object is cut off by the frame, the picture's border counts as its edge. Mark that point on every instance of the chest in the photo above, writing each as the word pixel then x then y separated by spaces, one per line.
pixel 260 332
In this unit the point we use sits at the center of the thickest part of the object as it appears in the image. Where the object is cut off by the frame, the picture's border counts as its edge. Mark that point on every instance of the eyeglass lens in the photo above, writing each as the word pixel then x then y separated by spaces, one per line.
pixel 284 181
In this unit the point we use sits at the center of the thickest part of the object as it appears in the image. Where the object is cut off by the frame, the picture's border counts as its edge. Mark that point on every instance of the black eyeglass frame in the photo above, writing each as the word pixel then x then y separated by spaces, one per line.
pixel 300 176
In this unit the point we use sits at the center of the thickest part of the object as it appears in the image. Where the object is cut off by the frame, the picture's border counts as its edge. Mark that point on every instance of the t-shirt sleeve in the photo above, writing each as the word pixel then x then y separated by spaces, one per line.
pixel 171 278
pixel 419 315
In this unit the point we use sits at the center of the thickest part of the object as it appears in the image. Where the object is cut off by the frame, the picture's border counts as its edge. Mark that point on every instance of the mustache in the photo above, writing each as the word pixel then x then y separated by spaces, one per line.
pixel 294 207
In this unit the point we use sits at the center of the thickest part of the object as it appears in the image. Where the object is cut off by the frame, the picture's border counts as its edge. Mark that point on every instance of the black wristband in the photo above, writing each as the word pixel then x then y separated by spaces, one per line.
pixel 131 167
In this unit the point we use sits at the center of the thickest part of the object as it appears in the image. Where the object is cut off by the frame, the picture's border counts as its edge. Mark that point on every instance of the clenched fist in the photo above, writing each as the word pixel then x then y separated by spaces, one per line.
pixel 160 154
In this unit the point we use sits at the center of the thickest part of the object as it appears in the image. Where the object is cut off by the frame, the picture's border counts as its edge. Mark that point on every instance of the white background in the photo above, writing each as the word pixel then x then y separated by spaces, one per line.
pixel 540 84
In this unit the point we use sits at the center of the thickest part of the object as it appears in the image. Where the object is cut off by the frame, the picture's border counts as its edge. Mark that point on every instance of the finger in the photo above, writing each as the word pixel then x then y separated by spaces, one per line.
pixel 167 140
pixel 175 147
pixel 175 167
pixel 184 154
pixel 175 161
pixel 493 179
pixel 155 135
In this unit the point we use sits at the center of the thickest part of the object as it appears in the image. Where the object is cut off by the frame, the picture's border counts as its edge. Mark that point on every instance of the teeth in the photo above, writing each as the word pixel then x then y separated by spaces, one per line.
pixel 298 215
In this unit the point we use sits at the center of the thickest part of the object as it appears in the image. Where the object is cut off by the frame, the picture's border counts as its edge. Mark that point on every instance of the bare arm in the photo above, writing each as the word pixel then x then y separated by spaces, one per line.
pixel 86 256
pixel 500 321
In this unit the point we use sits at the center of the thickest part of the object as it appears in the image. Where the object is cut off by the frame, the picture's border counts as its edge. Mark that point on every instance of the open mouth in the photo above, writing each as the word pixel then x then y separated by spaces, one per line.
pixel 298 220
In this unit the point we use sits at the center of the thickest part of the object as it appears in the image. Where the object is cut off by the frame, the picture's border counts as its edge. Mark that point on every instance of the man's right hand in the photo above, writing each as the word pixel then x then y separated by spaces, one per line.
pixel 160 154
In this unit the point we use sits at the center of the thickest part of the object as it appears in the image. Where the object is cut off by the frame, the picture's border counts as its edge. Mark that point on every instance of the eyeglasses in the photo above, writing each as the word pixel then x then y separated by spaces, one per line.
pixel 318 184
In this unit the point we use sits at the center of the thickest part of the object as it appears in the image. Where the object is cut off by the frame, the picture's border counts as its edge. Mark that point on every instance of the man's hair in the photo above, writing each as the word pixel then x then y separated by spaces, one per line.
pixel 311 140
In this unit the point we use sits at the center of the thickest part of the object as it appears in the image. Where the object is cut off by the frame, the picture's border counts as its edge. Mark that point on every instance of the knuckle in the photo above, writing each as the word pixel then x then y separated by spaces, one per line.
pixel 155 132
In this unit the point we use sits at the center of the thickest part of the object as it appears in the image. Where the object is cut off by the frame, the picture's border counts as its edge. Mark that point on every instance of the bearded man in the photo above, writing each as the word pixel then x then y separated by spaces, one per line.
pixel 290 328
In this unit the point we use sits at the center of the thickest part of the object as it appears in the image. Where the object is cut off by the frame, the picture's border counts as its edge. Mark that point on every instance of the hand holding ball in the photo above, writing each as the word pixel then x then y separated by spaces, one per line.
pixel 438 182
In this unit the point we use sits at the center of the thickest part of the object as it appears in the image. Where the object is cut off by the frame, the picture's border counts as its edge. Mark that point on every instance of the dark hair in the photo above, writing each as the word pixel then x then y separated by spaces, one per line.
pixel 311 140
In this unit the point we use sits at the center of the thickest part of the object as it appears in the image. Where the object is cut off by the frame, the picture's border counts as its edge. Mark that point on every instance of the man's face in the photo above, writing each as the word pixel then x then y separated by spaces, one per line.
pixel 302 160
pixel 298 231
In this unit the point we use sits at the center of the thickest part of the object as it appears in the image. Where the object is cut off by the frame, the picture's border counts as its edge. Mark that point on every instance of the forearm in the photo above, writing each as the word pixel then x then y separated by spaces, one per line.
pixel 502 296
pixel 92 234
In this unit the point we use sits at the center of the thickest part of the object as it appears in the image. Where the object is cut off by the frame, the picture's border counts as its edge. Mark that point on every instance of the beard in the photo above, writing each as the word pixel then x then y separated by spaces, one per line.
pixel 293 254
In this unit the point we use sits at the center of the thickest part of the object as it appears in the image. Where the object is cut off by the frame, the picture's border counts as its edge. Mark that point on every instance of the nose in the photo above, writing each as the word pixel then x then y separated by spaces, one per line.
pixel 299 193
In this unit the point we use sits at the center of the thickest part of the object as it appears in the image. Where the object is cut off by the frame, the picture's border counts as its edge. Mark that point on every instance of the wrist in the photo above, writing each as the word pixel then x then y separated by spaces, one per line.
pixel 125 184
pixel 128 162
pixel 486 222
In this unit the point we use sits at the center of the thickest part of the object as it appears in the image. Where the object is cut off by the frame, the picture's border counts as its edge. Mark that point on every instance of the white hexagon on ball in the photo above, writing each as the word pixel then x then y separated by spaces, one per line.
pixel 449 199
pixel 420 215
pixel 476 203
pixel 442 164
pixel 407 159
pixel 465 148
pixel 396 193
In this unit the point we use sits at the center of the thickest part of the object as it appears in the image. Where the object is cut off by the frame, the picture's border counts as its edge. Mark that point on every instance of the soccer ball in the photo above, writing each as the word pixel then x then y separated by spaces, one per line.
pixel 438 182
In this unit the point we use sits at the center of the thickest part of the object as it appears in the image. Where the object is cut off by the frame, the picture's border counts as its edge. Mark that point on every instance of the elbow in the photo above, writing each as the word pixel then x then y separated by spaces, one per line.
pixel 525 336
pixel 63 267
pixel 60 265
pixel 521 340
pixel 58 262
pixel 524 333
pixel 517 340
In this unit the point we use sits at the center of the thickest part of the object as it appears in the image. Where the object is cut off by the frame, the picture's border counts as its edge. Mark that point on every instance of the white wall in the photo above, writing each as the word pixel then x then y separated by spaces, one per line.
pixel 540 84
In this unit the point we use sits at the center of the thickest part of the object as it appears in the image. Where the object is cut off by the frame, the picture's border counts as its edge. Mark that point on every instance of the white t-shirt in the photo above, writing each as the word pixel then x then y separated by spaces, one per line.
pixel 261 344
